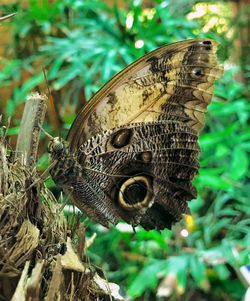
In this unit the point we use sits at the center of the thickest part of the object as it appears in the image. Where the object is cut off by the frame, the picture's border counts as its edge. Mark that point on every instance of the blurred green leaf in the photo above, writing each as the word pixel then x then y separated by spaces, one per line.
pixel 13 131
pixel 209 178
pixel 221 271
pixel 147 277
pixel 198 269
pixel 239 164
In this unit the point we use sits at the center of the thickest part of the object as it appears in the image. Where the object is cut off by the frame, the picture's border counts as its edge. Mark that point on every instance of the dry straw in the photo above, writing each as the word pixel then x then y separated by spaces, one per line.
pixel 37 258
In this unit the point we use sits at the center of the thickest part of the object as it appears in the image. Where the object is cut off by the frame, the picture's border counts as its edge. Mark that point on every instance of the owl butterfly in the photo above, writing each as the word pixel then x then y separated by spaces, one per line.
pixel 132 151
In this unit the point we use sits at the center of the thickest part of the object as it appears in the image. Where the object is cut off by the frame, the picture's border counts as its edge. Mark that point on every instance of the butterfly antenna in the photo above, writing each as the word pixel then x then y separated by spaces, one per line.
pixel 52 110
pixel 49 92
pixel 6 128
pixel 45 132
pixel 7 17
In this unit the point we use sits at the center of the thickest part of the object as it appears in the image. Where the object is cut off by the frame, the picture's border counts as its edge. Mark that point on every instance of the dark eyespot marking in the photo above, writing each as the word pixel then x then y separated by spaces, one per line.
pixel 145 157
pixel 135 193
pixel 208 45
pixel 196 72
pixel 121 138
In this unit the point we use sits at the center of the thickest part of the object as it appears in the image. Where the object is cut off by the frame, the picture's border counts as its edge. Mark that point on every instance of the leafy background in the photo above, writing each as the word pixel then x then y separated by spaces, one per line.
pixel 82 44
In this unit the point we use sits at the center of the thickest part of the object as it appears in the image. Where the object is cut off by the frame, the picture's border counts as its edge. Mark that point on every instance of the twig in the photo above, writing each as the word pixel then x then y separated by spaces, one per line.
pixel 7 17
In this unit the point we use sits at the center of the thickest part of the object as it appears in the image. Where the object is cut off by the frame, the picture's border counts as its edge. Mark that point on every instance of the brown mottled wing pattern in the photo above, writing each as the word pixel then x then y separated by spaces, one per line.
pixel 174 81
pixel 135 143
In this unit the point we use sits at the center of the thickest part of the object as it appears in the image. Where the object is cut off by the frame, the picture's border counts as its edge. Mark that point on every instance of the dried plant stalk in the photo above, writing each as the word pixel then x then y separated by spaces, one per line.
pixel 37 258
pixel 28 138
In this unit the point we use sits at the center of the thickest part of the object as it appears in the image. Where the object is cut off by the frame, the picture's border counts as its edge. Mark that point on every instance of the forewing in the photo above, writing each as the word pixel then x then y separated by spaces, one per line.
pixel 174 82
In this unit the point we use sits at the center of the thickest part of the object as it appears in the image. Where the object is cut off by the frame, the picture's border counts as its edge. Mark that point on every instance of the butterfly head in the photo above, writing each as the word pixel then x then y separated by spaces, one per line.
pixel 56 147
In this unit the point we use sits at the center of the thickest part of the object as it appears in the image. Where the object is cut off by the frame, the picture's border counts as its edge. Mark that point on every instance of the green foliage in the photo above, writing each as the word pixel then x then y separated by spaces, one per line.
pixel 82 44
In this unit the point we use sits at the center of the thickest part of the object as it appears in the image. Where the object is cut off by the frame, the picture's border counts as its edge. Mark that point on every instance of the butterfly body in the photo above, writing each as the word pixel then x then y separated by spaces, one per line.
pixel 133 151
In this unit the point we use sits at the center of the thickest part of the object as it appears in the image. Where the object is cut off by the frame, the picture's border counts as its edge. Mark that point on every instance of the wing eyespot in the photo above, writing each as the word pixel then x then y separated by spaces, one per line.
pixel 196 72
pixel 121 138
pixel 135 193
pixel 145 157
pixel 207 45
pixel 207 42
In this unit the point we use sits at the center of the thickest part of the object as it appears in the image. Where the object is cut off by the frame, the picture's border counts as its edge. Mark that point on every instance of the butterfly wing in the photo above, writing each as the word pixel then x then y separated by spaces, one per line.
pixel 174 81
pixel 136 140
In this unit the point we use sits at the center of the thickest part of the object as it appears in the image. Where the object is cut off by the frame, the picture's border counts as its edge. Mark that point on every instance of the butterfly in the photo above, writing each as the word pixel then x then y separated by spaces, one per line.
pixel 132 151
